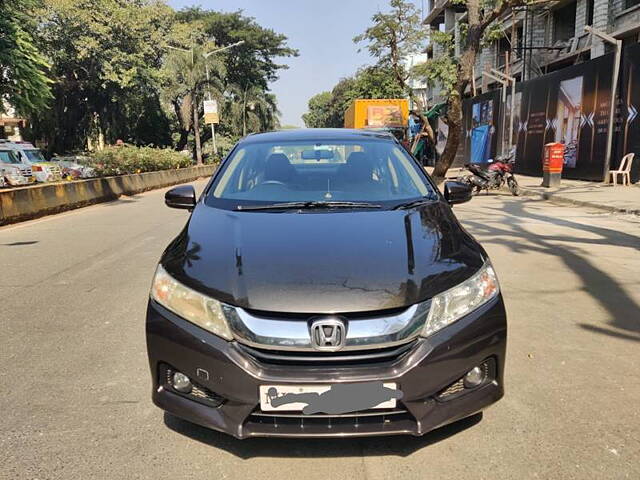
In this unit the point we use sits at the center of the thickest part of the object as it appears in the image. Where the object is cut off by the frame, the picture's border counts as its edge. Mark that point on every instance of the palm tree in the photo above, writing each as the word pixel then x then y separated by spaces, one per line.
pixel 185 73
pixel 252 108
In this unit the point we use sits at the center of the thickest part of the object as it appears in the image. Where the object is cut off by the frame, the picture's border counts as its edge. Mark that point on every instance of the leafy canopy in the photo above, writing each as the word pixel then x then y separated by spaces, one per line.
pixel 24 82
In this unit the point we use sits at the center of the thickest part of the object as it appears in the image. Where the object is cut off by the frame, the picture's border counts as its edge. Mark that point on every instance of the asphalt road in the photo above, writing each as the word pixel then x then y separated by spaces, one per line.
pixel 75 384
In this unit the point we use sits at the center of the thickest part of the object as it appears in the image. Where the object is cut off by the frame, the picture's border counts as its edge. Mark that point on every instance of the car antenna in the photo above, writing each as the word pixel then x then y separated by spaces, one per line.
pixel 328 194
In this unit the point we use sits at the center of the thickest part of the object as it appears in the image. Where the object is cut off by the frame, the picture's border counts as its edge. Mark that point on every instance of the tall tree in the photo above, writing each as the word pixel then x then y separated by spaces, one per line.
pixel 454 72
pixel 392 38
pixel 105 57
pixel 244 98
pixel 24 81
pixel 190 74
pixel 319 113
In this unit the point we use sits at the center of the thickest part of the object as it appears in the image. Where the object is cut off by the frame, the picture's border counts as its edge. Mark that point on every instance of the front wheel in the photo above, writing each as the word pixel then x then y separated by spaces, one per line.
pixel 513 186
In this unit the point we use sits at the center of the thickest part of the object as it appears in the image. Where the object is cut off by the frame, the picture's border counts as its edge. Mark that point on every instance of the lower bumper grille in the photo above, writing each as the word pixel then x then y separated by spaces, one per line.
pixel 282 423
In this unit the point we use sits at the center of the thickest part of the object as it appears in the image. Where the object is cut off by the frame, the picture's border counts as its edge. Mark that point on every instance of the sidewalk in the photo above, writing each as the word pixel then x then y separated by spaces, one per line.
pixel 595 195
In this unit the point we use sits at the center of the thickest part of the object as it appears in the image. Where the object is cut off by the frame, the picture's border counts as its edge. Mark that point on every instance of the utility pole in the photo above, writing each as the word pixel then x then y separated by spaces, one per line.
pixel 511 80
pixel 206 56
pixel 614 90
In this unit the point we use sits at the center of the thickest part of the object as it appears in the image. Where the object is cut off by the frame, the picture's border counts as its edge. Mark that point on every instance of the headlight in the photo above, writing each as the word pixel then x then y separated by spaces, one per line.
pixel 455 303
pixel 192 306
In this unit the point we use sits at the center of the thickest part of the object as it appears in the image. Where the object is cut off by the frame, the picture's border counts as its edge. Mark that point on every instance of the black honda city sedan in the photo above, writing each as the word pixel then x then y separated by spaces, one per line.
pixel 323 287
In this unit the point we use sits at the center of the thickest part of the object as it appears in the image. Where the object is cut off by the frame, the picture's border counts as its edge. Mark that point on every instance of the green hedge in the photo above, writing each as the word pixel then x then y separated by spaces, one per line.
pixel 127 159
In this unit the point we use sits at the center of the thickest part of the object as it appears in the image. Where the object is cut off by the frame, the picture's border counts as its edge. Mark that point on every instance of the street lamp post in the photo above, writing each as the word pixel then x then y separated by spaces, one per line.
pixel 206 56
pixel 614 90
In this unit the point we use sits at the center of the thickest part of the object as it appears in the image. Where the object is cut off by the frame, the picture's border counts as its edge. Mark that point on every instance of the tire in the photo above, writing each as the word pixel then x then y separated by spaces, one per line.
pixel 513 186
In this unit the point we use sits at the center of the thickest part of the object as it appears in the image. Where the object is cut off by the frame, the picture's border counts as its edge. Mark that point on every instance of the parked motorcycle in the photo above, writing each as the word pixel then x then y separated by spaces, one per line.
pixel 494 177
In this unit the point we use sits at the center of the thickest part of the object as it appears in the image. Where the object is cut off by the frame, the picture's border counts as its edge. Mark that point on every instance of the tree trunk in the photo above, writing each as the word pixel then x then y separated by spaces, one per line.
pixel 454 121
pixel 182 142
pixel 196 131
pixel 454 111
pixel 426 126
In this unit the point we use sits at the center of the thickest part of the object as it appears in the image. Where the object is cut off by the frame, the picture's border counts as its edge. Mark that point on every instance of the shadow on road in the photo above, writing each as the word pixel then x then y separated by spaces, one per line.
pixel 505 227
pixel 21 244
pixel 400 446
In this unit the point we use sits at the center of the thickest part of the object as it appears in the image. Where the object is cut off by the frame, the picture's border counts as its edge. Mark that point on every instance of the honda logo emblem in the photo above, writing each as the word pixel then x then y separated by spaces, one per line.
pixel 328 334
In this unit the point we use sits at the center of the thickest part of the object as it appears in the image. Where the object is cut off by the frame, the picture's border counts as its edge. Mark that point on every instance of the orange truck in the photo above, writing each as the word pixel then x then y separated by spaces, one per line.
pixel 390 114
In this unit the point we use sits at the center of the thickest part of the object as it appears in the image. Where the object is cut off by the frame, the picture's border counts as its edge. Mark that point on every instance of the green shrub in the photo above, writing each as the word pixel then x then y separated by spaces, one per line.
pixel 122 160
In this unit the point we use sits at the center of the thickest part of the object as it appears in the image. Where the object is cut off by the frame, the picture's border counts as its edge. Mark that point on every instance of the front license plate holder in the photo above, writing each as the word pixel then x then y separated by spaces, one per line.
pixel 329 399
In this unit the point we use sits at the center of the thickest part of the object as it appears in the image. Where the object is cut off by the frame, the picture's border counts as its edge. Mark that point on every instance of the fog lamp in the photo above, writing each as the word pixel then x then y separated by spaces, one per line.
pixel 474 377
pixel 181 382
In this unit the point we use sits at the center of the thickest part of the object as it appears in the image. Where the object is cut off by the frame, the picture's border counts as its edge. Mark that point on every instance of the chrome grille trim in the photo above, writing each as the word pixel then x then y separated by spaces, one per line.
pixel 351 357
pixel 376 331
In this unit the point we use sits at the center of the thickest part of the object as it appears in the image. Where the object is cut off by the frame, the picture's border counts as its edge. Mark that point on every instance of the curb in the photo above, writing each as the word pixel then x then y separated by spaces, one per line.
pixel 27 203
pixel 560 200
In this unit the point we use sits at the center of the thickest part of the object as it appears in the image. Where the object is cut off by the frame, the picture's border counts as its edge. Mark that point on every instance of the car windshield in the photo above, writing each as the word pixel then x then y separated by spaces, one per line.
pixel 34 155
pixel 7 156
pixel 373 171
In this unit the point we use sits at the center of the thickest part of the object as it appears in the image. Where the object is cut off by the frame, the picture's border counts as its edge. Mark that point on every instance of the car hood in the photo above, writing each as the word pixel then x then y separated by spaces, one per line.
pixel 323 262
pixel 10 167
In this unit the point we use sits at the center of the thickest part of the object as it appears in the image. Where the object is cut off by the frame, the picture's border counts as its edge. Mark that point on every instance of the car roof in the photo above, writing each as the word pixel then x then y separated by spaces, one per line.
pixel 20 145
pixel 312 134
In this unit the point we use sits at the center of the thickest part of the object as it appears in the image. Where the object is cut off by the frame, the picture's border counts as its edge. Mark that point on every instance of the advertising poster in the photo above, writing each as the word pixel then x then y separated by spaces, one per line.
pixel 628 124
pixel 570 106
pixel 384 116
pixel 481 116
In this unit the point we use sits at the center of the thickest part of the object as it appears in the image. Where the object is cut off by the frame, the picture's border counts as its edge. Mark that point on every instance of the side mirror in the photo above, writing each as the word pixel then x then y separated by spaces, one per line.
pixel 457 192
pixel 183 196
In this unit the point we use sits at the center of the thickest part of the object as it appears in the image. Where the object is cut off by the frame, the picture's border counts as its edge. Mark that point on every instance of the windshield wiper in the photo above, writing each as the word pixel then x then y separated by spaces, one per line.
pixel 414 203
pixel 308 205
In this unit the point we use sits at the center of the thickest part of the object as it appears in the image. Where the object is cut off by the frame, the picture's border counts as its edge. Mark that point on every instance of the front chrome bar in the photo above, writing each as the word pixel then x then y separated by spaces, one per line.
pixel 377 331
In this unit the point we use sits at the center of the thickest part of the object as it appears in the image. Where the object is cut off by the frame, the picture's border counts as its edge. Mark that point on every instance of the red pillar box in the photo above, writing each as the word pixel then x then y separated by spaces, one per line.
pixel 552 162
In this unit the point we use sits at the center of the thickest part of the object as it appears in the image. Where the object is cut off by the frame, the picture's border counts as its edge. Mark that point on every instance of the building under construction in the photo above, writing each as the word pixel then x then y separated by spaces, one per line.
pixel 563 57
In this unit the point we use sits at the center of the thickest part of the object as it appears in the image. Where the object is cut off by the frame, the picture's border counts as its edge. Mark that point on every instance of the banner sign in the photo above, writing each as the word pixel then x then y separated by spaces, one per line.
pixel 480 128
pixel 569 106
pixel 211 111
pixel 628 121
pixel 384 116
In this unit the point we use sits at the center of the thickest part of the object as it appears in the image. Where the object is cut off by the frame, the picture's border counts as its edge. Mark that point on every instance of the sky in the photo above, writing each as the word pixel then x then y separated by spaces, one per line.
pixel 322 31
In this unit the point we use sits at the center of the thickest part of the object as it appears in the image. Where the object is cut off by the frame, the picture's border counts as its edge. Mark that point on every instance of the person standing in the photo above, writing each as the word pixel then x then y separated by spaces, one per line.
pixel 415 125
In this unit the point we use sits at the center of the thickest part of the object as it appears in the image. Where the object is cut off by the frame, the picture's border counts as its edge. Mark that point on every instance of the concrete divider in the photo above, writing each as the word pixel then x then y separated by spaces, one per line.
pixel 25 203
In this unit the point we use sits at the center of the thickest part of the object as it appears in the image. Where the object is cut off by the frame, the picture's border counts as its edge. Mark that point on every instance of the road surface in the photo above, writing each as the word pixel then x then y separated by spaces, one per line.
pixel 76 402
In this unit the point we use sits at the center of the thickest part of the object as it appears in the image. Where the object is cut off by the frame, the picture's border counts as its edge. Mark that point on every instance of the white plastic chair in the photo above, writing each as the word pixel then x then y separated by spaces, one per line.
pixel 624 170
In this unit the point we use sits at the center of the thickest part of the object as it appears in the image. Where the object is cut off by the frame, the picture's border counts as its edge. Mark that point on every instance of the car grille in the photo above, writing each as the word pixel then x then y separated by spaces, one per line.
pixel 56 172
pixel 397 420
pixel 351 357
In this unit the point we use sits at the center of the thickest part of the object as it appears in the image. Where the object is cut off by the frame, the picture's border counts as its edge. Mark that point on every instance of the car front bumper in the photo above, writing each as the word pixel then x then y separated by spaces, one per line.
pixel 432 366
